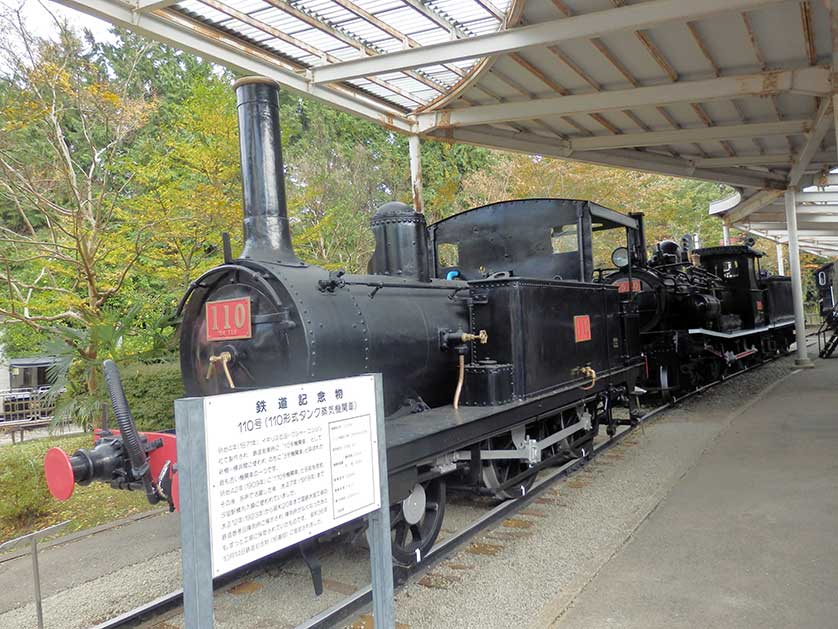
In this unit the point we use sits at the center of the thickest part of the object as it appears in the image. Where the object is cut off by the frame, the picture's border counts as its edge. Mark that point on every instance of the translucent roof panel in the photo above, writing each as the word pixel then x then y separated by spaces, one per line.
pixel 310 33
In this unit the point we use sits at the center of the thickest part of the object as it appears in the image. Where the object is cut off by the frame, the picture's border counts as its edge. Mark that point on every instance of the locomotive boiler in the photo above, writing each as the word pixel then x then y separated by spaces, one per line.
pixel 498 352
pixel 303 322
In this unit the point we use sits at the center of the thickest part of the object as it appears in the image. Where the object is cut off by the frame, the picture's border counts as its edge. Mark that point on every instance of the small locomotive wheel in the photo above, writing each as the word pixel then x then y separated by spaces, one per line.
pixel 413 507
pixel 416 521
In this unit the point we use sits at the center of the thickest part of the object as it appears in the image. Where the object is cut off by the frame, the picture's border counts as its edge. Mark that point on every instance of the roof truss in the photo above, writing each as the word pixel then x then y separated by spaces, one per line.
pixel 808 81
pixel 631 17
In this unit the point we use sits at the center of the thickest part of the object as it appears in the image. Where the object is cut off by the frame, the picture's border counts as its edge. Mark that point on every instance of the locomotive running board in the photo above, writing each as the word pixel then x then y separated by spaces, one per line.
pixel 528 452
pixel 732 335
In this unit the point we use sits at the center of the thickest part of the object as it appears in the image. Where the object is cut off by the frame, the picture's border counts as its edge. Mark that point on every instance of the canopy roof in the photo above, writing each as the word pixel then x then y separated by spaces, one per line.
pixel 762 213
pixel 732 91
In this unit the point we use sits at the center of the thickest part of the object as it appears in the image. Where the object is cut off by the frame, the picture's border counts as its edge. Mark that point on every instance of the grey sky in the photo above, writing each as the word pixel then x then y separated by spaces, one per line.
pixel 39 20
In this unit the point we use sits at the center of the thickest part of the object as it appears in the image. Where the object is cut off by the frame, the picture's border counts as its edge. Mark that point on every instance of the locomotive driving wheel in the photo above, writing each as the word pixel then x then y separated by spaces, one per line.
pixel 497 472
pixel 415 522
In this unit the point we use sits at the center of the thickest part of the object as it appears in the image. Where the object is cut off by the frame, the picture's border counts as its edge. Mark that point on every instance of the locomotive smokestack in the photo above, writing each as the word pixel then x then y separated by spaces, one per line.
pixel 266 233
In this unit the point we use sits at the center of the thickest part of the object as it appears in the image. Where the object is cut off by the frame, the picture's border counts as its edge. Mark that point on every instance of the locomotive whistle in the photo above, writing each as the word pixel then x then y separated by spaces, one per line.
pixel 224 358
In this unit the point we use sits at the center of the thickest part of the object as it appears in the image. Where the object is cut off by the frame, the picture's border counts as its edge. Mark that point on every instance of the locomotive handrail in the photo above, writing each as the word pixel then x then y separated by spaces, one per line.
pixel 224 267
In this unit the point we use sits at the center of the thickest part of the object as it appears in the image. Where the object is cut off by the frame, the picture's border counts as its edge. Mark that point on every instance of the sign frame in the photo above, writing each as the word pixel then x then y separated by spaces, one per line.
pixel 196 542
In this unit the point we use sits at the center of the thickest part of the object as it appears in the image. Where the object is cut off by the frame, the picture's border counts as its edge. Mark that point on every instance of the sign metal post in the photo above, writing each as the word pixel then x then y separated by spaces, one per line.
pixel 262 470
pixel 196 554
pixel 381 554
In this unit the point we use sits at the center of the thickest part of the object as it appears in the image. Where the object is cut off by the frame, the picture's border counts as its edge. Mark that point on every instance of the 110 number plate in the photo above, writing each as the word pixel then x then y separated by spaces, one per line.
pixel 228 319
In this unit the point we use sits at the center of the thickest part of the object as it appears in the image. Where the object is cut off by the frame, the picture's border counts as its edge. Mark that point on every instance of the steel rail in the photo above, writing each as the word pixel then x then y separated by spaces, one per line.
pixel 362 597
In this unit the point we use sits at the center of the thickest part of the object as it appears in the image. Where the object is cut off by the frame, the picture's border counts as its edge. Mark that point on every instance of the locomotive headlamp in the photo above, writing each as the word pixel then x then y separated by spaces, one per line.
pixel 620 257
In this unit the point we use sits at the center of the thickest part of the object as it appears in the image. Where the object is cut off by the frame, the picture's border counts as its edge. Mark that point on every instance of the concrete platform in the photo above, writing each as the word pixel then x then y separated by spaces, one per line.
pixel 749 535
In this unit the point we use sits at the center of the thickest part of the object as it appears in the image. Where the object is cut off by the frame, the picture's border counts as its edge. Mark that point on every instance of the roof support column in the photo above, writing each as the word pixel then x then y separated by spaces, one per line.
pixel 725 235
pixel 796 282
pixel 781 269
pixel 835 102
pixel 415 149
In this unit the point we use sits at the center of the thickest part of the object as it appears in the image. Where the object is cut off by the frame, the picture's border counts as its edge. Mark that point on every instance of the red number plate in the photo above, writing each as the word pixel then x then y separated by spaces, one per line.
pixel 228 319
pixel 623 286
pixel 582 328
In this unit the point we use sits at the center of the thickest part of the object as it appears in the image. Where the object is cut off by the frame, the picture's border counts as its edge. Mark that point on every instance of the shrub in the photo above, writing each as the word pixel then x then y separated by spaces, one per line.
pixel 151 391
pixel 23 489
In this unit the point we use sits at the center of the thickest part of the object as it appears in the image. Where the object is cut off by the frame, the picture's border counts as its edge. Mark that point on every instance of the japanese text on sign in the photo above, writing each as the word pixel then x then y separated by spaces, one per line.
pixel 288 463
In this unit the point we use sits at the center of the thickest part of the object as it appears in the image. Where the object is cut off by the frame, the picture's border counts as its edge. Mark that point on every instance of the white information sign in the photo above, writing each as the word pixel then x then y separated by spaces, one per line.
pixel 288 463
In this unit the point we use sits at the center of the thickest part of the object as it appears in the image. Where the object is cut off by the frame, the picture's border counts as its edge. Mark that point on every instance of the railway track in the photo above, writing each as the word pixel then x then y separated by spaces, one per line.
pixel 356 601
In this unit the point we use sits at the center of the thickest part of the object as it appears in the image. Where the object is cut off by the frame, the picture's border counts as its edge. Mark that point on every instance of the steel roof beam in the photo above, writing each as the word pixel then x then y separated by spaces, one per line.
pixel 747 229
pixel 818 209
pixel 584 26
pixel 531 143
pixel 768 159
pixel 686 136
pixel 820 125
pixel 184 34
pixel 827 234
pixel 778 217
pixel 808 81
pixel 817 197
pixel 781 225
pixel 151 5
pixel 752 204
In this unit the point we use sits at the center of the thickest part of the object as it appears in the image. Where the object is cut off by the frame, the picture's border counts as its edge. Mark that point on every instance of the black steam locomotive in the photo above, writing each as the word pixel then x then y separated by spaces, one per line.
pixel 496 362
pixel 502 348
pixel 704 311
pixel 826 281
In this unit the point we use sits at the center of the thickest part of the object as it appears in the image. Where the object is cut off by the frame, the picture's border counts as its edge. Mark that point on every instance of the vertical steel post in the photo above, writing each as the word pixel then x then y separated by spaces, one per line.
pixel 36 574
pixel 196 551
pixel 834 29
pixel 725 235
pixel 781 268
pixel 796 282
pixel 415 149
pixel 381 558
pixel 33 538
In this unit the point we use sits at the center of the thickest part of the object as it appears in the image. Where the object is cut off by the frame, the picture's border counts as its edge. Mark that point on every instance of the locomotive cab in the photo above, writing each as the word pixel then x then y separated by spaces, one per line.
pixel 742 297
pixel 552 239
pixel 530 265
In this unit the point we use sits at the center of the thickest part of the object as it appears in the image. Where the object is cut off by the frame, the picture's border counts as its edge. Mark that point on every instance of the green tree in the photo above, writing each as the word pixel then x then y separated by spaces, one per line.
pixel 188 183
pixel 66 129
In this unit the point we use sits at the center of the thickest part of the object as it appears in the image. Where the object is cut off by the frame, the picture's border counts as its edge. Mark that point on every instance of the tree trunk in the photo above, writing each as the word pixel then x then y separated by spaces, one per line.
pixel 93 383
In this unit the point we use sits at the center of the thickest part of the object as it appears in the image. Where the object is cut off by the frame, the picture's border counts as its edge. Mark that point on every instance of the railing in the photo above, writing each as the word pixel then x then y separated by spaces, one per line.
pixel 32 539
pixel 23 405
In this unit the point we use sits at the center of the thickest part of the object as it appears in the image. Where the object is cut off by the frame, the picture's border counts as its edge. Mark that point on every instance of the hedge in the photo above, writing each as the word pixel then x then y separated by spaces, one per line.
pixel 23 489
pixel 151 391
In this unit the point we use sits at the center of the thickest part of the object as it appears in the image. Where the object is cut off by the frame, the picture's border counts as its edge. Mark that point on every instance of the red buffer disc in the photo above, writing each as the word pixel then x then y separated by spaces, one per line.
pixel 59 473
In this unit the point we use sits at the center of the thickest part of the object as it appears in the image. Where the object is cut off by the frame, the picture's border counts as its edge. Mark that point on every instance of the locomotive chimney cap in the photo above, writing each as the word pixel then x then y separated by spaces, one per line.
pixel 394 209
pixel 250 80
